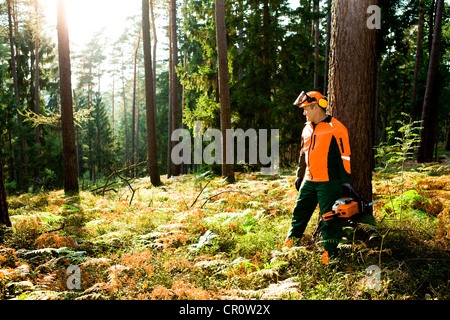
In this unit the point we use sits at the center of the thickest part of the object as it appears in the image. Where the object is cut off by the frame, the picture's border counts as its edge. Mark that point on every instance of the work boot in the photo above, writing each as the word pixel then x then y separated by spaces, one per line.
pixel 292 242
pixel 329 259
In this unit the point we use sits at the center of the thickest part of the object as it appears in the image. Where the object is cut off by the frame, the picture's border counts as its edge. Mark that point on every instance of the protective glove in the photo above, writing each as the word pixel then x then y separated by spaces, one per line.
pixel 298 183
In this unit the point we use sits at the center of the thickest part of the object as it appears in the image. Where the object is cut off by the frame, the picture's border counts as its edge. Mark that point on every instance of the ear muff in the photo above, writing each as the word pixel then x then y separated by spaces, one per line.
pixel 323 103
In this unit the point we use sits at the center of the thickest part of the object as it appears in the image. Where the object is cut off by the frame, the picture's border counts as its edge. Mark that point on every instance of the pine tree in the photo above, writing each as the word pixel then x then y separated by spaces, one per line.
pixel 431 99
pixel 351 85
pixel 4 217
pixel 69 152
pixel 149 99
pixel 225 112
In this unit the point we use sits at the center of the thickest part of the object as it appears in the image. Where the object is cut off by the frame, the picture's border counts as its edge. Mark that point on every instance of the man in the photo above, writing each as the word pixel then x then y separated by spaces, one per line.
pixel 324 165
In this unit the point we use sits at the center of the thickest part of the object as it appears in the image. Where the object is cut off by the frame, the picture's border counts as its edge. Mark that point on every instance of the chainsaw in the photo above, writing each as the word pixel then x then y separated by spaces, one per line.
pixel 349 206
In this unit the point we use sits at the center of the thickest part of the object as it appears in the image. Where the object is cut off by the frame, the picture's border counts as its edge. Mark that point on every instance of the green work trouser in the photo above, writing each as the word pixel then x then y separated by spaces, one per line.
pixel 325 194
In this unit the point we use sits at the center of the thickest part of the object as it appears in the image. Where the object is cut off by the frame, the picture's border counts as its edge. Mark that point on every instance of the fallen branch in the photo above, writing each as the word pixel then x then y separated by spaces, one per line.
pixel 100 189
pixel 53 230
pixel 129 186
pixel 200 193
pixel 116 172
pixel 237 191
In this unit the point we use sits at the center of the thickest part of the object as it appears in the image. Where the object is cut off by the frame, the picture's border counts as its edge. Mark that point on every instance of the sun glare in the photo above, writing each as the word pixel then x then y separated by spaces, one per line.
pixel 87 17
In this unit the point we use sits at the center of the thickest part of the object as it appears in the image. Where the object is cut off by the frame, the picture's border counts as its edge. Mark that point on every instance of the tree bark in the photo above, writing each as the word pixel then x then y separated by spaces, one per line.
pixel 152 150
pixel 127 157
pixel 431 100
pixel 133 108
pixel 351 84
pixel 169 114
pixel 316 45
pixel 68 136
pixel 224 92
pixel 174 80
pixel 36 87
pixel 155 44
pixel 418 53
pixel 327 50
pixel 22 146
pixel 4 216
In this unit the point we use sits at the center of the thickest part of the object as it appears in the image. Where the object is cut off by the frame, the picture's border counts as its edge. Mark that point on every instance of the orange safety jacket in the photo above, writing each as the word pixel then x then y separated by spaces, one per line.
pixel 325 152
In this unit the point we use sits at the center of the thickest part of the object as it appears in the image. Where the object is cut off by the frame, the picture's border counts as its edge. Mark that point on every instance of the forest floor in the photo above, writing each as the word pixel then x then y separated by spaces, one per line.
pixel 197 237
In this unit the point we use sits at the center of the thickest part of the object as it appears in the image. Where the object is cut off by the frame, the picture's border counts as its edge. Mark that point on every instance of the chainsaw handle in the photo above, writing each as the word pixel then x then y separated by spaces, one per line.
pixel 348 191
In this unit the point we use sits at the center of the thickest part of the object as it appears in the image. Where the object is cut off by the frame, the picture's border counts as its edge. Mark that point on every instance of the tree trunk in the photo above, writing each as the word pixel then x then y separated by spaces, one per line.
pixel 447 145
pixel 112 105
pixel 265 109
pixel 36 87
pixel 316 46
pixel 418 53
pixel 431 100
pixel 133 107
pixel 184 166
pixel 224 92
pixel 90 133
pixel 351 84
pixel 137 129
pixel 125 124
pixel 174 80
pixel 77 139
pixel 431 14
pixel 68 136
pixel 22 146
pixel 155 43
pixel 4 216
pixel 13 56
pixel 327 50
pixel 152 150
pixel 169 114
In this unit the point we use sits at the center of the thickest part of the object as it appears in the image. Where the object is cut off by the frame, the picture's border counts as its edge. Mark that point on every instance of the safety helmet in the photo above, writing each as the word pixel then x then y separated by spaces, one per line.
pixel 305 99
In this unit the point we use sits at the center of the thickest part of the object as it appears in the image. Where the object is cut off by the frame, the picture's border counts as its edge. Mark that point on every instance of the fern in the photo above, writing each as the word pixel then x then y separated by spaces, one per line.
pixel 399 149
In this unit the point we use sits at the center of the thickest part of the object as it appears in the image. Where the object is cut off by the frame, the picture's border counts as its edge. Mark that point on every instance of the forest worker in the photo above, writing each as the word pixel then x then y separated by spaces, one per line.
pixel 324 165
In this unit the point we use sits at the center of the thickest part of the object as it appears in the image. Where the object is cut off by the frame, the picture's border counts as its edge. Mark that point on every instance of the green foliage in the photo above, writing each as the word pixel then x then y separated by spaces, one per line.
pixel 398 150
pixel 401 144
pixel 412 203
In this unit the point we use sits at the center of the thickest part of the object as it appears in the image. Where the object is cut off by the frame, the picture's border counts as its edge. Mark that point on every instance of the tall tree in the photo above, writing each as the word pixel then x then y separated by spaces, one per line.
pixel 418 52
pixel 4 216
pixel 170 113
pixel 430 104
pixel 174 77
pixel 327 47
pixel 133 108
pixel 68 136
pixel 351 84
pixel 152 151
pixel 155 45
pixel 316 45
pixel 224 92
pixel 36 84
pixel 22 145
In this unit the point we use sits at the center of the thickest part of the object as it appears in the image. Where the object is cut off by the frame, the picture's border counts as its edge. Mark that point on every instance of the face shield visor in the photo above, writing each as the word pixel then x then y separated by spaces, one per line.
pixel 304 98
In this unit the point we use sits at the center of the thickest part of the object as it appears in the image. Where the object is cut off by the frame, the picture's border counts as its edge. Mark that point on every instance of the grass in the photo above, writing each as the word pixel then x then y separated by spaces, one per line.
pixel 197 238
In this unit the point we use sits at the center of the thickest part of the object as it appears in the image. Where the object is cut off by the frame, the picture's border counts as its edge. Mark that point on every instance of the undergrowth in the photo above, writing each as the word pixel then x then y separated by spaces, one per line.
pixel 197 237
